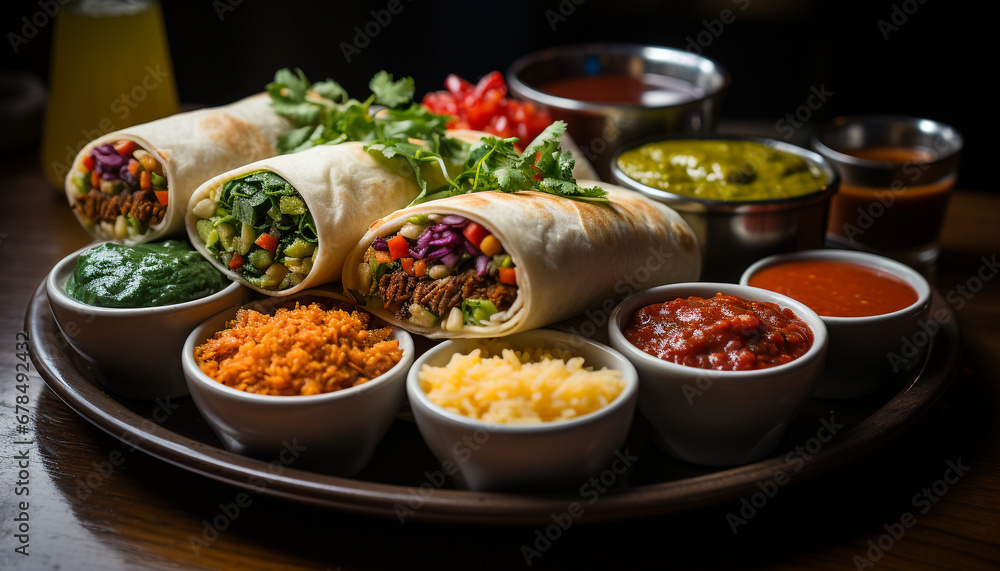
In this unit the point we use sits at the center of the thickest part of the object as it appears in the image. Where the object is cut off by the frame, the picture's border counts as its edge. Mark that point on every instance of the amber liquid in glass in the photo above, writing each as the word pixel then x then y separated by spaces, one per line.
pixel 110 69
pixel 904 217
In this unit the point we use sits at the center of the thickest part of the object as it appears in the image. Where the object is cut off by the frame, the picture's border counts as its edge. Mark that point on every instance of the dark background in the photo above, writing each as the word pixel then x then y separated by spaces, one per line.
pixel 777 51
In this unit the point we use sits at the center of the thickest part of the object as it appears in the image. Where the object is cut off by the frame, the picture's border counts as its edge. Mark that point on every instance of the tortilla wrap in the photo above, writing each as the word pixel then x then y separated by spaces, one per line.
pixel 192 147
pixel 570 255
pixel 344 188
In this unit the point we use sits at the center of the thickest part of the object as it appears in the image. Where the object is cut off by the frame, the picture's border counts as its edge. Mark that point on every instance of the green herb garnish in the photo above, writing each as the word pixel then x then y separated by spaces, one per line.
pixel 494 164
pixel 323 113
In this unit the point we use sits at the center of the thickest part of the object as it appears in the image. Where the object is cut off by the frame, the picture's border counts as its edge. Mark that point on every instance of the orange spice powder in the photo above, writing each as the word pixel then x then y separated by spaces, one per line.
pixel 307 350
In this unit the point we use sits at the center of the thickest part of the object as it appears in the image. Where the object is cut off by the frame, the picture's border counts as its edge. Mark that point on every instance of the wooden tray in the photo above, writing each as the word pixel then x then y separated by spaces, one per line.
pixel 405 480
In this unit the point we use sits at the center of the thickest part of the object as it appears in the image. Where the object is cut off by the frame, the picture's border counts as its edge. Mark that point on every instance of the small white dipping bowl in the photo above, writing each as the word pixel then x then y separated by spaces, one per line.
pixel 336 433
pixel 719 418
pixel 866 353
pixel 135 350
pixel 548 456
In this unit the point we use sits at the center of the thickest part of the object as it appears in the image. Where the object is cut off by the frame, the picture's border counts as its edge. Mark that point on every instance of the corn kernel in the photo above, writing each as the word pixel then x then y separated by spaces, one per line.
pixel 490 245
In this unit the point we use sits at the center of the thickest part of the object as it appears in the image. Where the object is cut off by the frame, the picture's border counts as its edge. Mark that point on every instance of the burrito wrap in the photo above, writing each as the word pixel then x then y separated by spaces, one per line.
pixel 344 187
pixel 570 255
pixel 193 147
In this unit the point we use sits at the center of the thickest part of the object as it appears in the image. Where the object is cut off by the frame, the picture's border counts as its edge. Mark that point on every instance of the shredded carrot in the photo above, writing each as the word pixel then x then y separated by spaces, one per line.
pixel 307 350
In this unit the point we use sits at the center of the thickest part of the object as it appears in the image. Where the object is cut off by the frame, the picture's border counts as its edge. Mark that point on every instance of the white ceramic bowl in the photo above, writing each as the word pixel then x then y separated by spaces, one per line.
pixel 719 418
pixel 135 351
pixel 336 432
pixel 866 353
pixel 551 455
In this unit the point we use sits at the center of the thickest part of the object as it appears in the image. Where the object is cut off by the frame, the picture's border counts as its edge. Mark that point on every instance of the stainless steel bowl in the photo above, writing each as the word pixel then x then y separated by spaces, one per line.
pixel 734 234
pixel 838 138
pixel 601 128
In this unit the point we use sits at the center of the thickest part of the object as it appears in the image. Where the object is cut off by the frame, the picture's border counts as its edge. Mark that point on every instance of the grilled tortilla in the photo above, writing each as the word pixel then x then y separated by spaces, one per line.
pixel 569 255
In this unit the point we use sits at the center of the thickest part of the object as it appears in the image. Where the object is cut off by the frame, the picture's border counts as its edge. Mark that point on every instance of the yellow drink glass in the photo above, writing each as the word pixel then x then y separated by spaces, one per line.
pixel 110 69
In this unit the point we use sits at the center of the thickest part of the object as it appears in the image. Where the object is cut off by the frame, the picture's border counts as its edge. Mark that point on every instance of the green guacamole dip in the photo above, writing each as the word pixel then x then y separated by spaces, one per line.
pixel 721 169
pixel 146 275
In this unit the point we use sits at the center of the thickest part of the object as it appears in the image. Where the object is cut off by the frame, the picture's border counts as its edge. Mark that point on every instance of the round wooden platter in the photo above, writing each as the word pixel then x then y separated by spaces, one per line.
pixel 406 481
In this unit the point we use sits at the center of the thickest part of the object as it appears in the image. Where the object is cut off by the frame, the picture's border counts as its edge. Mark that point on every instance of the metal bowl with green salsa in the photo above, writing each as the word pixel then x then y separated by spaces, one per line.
pixel 745 198
pixel 721 169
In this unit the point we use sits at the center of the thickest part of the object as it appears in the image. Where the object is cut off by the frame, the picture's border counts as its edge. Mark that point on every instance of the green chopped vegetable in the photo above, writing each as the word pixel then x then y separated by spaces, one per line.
pixel 208 233
pixel 159 182
pixel 292 205
pixel 476 310
pixel 262 218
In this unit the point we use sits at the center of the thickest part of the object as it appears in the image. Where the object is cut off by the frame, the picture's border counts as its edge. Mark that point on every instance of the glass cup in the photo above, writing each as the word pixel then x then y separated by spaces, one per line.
pixel 896 175
pixel 110 69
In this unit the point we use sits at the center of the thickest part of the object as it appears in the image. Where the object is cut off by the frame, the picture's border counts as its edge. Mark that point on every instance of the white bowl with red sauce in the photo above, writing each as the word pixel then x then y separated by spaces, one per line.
pixel 722 417
pixel 875 309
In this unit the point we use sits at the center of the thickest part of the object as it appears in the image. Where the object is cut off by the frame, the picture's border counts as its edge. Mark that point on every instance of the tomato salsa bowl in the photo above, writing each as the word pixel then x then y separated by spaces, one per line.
pixel 721 417
pixel 876 311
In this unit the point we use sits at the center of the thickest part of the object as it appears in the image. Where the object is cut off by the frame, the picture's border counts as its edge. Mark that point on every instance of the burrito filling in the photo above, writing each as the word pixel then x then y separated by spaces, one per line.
pixel 121 190
pixel 440 271
pixel 259 227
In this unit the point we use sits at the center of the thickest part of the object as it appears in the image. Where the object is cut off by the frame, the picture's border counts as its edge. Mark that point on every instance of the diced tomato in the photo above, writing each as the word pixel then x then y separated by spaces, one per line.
pixel 407 264
pixel 490 81
pixel 125 148
pixel 485 106
pixel 95 179
pixel 456 85
pixel 236 261
pixel 475 233
pixel 420 268
pixel 163 196
pixel 507 276
pixel 268 242
pixel 134 166
pixel 399 247
pixel 88 163
pixel 442 103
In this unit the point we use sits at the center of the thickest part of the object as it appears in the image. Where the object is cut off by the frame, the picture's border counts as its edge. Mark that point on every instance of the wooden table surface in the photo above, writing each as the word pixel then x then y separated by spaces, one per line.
pixel 930 499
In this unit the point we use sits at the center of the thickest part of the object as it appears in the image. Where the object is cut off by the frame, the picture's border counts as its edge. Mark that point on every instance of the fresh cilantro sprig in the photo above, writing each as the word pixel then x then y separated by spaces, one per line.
pixel 493 164
pixel 323 113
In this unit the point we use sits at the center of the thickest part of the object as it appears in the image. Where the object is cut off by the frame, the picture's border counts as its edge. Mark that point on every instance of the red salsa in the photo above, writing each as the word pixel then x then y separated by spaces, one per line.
pixel 650 89
pixel 725 333
pixel 837 289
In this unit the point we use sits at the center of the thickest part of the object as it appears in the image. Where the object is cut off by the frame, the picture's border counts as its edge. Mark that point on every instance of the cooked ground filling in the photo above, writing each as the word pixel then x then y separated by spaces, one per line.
pixel 121 187
pixel 139 204
pixel 307 350
pixel 442 271
pixel 398 290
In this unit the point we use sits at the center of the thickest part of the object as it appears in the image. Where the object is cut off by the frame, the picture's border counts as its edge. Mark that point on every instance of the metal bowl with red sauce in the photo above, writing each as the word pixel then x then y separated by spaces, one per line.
pixel 724 332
